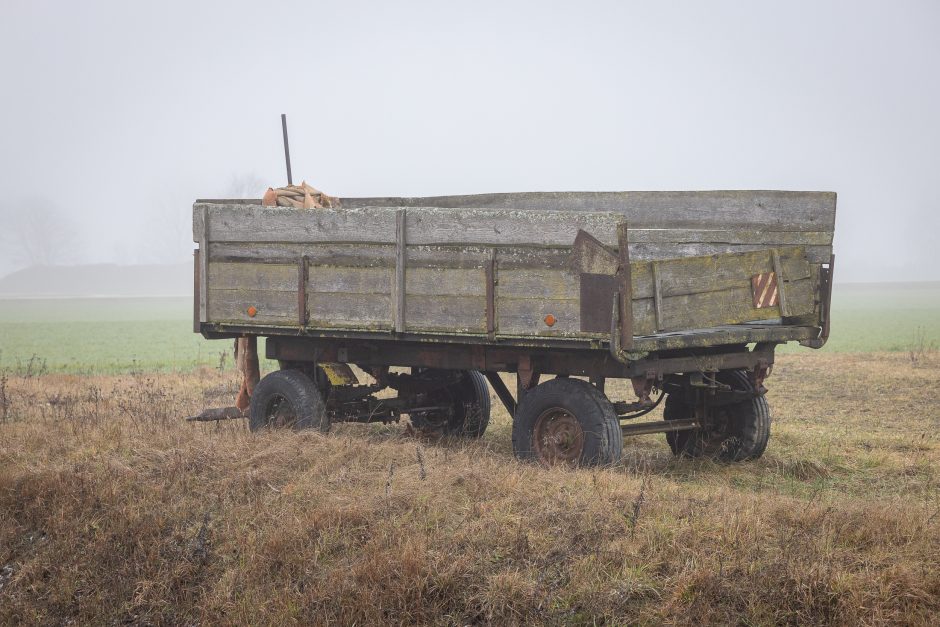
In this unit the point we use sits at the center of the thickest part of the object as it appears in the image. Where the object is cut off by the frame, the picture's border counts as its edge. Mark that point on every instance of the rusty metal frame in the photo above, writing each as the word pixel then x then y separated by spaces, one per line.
pixel 825 305
pixel 826 285
pixel 527 361
pixel 502 392
pixel 733 335
pixel 659 426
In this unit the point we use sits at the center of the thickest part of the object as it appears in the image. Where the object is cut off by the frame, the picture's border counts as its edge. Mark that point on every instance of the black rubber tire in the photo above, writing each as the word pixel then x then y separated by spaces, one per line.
pixel 471 402
pixel 746 425
pixel 304 410
pixel 603 439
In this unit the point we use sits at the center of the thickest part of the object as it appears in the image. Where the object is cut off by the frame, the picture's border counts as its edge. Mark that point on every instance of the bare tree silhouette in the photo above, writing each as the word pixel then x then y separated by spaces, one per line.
pixel 41 236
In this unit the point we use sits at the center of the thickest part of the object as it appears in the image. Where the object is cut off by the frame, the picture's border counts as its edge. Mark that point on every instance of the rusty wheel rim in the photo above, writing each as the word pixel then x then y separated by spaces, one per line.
pixel 558 437
pixel 279 412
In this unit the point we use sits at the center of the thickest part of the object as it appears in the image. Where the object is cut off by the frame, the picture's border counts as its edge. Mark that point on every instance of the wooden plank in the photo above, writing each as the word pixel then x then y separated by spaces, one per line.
pixel 445 281
pixel 355 254
pixel 625 273
pixel 738 334
pixel 379 255
pixel 589 256
pixel 526 317
pixel 199 222
pixel 253 223
pixel 398 288
pixel 272 307
pixel 369 254
pixel 537 283
pixel 434 225
pixel 258 276
pixel 702 274
pixel 760 209
pixel 652 252
pixel 731 306
pixel 356 280
pixel 425 225
pixel 730 236
pixel 644 317
pixel 350 311
pixel 446 313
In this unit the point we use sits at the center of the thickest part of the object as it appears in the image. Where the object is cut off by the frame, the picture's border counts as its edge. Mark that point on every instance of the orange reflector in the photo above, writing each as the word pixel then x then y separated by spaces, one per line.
pixel 252 311
pixel 550 320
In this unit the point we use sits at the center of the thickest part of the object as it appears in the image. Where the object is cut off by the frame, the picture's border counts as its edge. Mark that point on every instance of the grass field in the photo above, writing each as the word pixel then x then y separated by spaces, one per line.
pixel 126 335
pixel 113 510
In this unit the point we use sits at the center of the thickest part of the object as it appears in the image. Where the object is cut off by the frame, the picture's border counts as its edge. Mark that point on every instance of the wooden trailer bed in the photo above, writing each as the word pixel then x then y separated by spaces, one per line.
pixel 502 273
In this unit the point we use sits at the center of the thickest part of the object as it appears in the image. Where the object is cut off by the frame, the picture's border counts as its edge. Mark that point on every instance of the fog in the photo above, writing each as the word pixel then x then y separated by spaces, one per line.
pixel 115 116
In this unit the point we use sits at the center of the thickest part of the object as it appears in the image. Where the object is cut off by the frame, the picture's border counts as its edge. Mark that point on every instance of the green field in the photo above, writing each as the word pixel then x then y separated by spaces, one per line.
pixel 104 335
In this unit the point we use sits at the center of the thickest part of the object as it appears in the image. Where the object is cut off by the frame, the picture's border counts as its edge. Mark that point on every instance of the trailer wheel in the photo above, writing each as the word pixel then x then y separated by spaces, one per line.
pixel 287 398
pixel 567 421
pixel 470 402
pixel 740 431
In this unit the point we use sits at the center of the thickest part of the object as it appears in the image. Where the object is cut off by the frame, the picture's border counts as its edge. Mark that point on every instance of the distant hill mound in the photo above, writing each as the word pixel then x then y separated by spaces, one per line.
pixel 106 279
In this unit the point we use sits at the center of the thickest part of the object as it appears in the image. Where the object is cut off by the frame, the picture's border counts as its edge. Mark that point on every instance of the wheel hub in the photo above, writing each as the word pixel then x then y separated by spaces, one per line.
pixel 558 437
pixel 279 412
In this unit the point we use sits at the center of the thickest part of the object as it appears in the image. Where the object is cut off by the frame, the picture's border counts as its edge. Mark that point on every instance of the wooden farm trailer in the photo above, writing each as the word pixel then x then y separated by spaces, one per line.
pixel 686 294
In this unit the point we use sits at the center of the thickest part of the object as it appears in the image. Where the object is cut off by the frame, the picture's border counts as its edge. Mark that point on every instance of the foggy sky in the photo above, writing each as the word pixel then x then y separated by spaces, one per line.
pixel 122 113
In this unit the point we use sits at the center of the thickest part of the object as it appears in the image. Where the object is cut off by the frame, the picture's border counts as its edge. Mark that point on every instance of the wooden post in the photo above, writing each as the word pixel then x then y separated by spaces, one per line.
pixel 197 292
pixel 781 286
pixel 204 267
pixel 491 295
pixel 400 243
pixel 302 291
pixel 626 288
pixel 657 297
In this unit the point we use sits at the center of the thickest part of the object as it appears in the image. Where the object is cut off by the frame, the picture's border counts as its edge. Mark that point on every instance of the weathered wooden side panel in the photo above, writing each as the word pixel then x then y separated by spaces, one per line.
pixel 526 317
pixel 445 313
pixel 488 272
pixel 369 312
pixel 692 275
pixel 525 296
pixel 650 252
pixel 234 287
pixel 279 308
pixel 668 224
pixel 424 225
pixel 445 300
pixel 327 280
pixel 760 210
pixel 350 297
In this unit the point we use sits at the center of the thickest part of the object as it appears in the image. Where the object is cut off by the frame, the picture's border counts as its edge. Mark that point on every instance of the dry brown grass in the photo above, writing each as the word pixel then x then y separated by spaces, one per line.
pixel 113 510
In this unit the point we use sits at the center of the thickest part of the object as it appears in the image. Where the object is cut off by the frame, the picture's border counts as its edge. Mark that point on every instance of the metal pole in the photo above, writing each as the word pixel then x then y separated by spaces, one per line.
pixel 290 181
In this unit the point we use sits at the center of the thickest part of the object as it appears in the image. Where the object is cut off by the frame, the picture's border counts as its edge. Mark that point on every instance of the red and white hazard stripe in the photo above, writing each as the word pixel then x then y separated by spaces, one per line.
pixel 764 286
